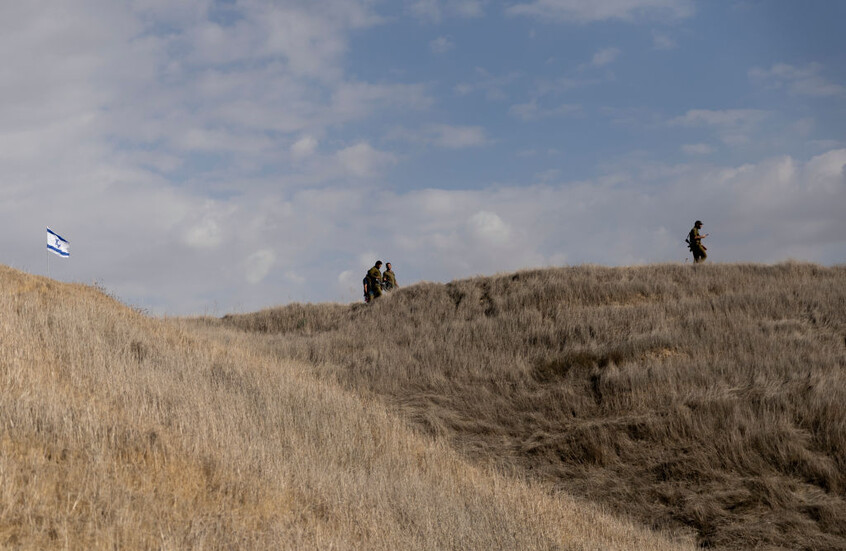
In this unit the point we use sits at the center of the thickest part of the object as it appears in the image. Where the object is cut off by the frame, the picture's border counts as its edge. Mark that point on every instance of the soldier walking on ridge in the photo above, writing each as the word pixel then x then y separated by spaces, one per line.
pixel 374 281
pixel 694 241
pixel 389 279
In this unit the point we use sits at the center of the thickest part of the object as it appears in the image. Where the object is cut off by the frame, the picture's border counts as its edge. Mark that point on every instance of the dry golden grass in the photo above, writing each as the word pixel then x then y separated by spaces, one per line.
pixel 125 432
pixel 709 397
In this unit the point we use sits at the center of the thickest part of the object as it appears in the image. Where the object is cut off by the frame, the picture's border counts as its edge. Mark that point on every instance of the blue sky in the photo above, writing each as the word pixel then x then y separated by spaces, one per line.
pixel 212 157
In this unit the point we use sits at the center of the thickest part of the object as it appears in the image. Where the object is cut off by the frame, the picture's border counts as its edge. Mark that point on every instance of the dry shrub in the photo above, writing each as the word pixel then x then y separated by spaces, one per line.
pixel 709 397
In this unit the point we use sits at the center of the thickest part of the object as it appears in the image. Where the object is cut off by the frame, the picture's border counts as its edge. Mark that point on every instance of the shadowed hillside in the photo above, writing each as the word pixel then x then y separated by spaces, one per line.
pixel 711 397
pixel 125 432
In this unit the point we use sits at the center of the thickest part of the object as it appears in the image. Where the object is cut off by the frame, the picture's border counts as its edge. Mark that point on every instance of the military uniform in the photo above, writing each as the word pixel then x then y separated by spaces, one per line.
pixel 374 282
pixel 696 246
pixel 389 280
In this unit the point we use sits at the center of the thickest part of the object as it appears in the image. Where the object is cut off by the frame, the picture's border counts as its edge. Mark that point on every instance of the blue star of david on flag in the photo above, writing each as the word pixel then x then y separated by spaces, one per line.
pixel 57 244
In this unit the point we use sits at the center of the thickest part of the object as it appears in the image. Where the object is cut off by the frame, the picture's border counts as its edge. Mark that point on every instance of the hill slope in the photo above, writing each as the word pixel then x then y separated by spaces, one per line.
pixel 124 432
pixel 710 397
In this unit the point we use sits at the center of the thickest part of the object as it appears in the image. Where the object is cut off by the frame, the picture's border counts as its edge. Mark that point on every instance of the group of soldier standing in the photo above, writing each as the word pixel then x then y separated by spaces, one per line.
pixel 375 282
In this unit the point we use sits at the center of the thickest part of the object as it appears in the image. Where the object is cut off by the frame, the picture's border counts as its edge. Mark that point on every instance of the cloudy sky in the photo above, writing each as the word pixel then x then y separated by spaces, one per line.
pixel 206 157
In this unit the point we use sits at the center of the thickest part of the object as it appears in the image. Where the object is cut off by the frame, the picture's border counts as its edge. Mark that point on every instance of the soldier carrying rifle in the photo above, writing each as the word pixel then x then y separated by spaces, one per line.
pixel 389 279
pixel 373 282
pixel 694 242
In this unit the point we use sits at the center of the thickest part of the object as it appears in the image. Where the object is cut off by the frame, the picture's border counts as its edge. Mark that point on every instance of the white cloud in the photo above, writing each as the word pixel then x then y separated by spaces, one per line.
pixel 363 161
pixel 457 137
pixel 346 277
pixel 366 259
pixel 348 284
pixel 826 173
pixel 304 147
pixel 580 11
pixel 438 234
pixel 310 37
pixel 604 57
pixel 199 88
pixel 803 81
pixel 441 45
pixel 204 235
pixel 445 234
pixel 258 265
pixel 489 228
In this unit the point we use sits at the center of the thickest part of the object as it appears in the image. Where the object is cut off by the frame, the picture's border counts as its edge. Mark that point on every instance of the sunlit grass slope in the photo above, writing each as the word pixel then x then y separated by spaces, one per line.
pixel 125 432
pixel 711 397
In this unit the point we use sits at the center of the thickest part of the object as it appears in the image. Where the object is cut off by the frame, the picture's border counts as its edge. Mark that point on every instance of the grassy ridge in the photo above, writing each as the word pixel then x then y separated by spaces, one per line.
pixel 124 432
pixel 710 397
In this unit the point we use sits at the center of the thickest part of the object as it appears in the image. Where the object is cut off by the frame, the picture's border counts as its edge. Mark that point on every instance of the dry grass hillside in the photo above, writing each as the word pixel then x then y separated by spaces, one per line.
pixel 125 432
pixel 710 397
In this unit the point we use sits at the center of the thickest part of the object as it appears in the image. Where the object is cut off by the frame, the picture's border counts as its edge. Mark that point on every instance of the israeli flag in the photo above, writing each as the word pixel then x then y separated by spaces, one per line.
pixel 57 244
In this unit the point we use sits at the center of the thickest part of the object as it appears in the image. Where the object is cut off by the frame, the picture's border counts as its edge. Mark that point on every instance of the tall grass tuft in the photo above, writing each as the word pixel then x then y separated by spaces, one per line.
pixel 707 397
